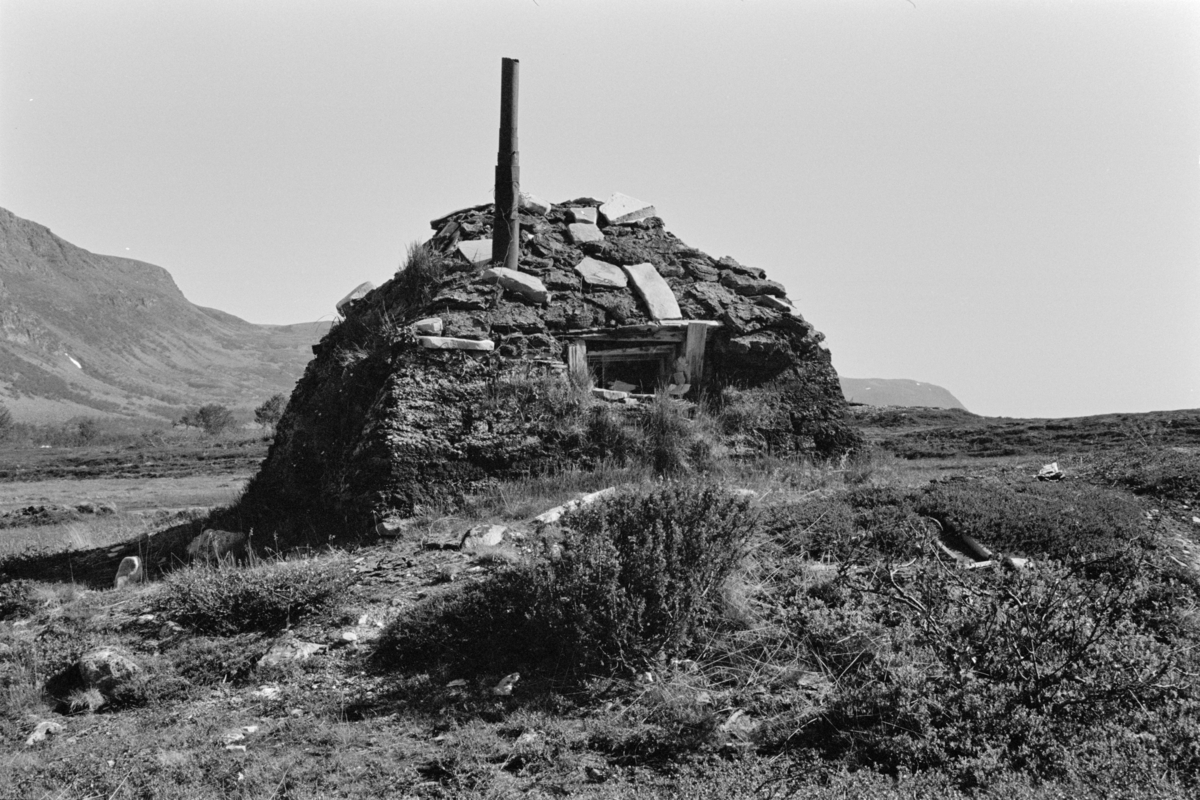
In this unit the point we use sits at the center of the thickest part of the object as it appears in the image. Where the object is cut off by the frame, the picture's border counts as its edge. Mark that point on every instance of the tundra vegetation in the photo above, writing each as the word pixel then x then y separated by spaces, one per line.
pixel 725 624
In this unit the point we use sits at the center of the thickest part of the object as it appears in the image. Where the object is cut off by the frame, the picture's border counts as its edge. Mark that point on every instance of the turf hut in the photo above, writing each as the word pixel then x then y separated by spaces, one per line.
pixel 455 373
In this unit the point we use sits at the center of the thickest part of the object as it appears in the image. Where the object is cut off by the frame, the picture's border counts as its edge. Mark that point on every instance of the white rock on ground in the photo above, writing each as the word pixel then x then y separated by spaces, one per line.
pixel 534 204
pixel 554 514
pixel 581 232
pixel 476 251
pixel 290 650
pixel 528 286
pixel 621 209
pixel 483 536
pixel 129 572
pixel 359 292
pixel 44 730
pixel 654 290
pixel 601 273
pixel 449 343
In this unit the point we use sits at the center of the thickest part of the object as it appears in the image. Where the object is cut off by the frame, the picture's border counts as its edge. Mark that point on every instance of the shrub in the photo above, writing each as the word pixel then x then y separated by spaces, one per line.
pixel 414 284
pixel 270 411
pixel 638 574
pixel 637 578
pixel 228 600
pixel 674 444
pixel 17 599
pixel 212 419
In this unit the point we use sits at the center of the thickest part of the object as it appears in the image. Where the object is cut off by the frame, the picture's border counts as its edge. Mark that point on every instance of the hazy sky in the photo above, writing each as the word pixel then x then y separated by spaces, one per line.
pixel 1002 198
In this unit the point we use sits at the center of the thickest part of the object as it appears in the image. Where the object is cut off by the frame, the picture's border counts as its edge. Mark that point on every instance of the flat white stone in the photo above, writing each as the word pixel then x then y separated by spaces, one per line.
pixel 587 215
pixel 654 290
pixel 777 303
pixel 476 251
pixel 554 514
pixel 450 343
pixel 430 326
pixel 584 232
pixel 621 209
pixel 359 292
pixel 528 286
pixel 601 273
pixel 611 395
pixel 534 204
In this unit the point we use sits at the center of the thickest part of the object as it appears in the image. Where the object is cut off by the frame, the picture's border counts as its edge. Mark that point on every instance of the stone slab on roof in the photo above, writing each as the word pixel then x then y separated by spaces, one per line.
pixel 601 273
pixel 527 286
pixel 476 251
pixel 581 232
pixel 358 293
pixel 654 290
pixel 621 209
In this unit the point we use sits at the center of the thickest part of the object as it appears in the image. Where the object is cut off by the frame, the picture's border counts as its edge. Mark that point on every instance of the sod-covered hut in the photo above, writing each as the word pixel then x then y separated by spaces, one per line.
pixel 454 373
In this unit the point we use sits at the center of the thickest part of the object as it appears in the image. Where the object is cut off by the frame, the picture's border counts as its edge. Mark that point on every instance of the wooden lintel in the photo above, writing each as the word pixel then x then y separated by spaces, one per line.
pixel 649 351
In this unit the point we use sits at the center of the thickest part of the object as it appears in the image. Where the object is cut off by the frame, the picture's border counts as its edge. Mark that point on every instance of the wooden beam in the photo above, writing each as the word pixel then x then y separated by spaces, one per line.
pixel 577 358
pixel 697 335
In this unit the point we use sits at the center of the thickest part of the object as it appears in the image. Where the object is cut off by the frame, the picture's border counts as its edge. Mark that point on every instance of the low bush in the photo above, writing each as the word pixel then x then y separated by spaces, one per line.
pixel 636 579
pixel 639 573
pixel 228 600
pixel 17 599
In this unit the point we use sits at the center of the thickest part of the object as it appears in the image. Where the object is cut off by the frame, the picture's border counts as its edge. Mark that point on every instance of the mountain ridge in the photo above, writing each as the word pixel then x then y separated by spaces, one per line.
pixel 89 334
pixel 897 392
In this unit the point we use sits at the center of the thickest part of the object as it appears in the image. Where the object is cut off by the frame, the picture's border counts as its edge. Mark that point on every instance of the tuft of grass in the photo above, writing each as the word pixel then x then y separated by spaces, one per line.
pixel 228 600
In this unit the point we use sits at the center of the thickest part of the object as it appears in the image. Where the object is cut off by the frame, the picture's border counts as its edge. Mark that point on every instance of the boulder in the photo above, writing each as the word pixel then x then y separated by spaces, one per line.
pixel 213 546
pixel 526 286
pixel 129 572
pixel 601 273
pixel 621 209
pixel 580 232
pixel 534 205
pixel 107 670
pixel 449 343
pixel 588 215
pixel 359 293
pixel 476 251
pixel 655 292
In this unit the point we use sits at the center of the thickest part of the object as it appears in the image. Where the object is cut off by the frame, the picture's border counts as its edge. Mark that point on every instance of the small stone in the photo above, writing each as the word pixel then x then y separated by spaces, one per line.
pixel 777 304
pixel 392 527
pixel 430 326
pixel 601 273
pixel 129 572
pixel 588 216
pixel 476 251
pixel 44 730
pixel 450 343
pixel 610 395
pixel 621 209
pixel 505 687
pixel 347 637
pixel 483 536
pixel 267 692
pixel 290 650
pixel 236 748
pixel 580 232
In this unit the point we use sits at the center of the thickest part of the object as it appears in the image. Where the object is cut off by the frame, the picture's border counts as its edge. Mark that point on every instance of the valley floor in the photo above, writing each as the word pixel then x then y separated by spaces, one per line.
pixel 855 648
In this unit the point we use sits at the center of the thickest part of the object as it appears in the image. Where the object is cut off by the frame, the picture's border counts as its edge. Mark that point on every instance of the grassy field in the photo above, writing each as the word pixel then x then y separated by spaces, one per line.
pixel 766 629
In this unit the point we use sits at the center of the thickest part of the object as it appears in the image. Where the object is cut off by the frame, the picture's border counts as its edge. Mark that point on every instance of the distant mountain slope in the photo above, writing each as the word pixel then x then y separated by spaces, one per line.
pixel 82 333
pixel 897 392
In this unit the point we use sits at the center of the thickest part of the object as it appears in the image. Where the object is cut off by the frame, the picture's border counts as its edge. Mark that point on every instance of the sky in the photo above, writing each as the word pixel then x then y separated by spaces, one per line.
pixel 1001 198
